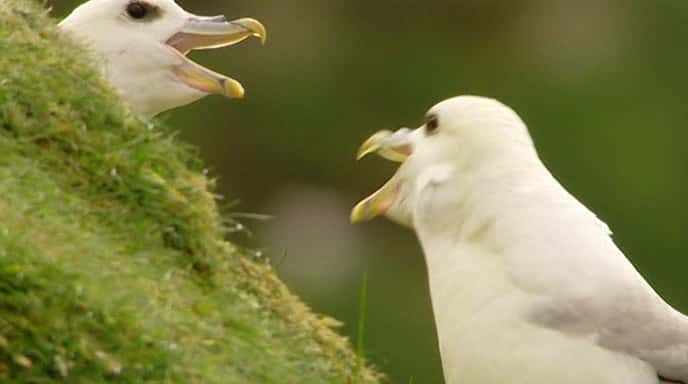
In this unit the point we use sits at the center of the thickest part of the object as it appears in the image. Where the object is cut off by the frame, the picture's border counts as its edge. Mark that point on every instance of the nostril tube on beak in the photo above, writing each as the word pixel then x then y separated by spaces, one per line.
pixel 218 19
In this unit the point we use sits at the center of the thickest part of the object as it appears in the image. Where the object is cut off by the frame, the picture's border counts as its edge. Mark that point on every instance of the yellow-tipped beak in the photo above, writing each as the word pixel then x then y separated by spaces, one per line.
pixel 207 81
pixel 216 32
pixel 209 33
pixel 254 28
pixel 376 204
pixel 393 146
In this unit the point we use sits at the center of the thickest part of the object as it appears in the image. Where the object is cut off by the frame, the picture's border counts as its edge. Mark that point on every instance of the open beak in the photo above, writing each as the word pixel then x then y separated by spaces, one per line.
pixel 215 32
pixel 376 204
pixel 209 33
pixel 393 146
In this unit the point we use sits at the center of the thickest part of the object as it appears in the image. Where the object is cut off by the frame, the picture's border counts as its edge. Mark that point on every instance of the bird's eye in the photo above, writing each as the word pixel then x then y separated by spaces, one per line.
pixel 432 125
pixel 137 10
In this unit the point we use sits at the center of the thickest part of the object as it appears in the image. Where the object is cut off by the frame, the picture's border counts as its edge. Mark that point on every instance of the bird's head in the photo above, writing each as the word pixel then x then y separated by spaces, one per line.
pixel 144 43
pixel 459 137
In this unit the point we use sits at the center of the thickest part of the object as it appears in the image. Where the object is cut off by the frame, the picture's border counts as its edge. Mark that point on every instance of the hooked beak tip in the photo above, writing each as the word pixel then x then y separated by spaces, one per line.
pixel 255 27
pixel 365 150
pixel 393 146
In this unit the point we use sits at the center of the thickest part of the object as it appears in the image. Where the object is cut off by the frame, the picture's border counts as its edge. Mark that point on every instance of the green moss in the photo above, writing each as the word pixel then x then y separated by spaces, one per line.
pixel 113 263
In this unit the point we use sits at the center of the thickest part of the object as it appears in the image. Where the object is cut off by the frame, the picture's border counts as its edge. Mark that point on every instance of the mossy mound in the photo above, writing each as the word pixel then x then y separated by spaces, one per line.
pixel 113 263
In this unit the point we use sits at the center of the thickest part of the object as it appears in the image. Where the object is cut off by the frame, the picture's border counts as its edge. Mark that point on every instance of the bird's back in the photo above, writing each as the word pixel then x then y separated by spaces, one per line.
pixel 534 272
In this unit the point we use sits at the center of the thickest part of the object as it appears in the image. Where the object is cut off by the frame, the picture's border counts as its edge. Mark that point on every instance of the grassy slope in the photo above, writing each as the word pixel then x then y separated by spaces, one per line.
pixel 113 266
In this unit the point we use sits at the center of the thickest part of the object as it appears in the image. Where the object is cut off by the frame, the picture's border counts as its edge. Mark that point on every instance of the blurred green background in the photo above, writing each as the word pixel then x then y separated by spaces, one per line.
pixel 603 86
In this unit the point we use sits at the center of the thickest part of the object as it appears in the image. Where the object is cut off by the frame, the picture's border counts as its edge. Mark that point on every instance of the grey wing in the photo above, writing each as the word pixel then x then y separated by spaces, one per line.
pixel 629 318
pixel 660 339
pixel 589 288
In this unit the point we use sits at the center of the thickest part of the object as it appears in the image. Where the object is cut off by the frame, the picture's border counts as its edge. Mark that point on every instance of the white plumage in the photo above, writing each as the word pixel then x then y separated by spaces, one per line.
pixel 527 285
pixel 143 44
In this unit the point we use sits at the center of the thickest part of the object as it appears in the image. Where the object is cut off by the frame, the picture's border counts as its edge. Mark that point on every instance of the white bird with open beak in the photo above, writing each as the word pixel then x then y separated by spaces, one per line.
pixel 526 283
pixel 143 45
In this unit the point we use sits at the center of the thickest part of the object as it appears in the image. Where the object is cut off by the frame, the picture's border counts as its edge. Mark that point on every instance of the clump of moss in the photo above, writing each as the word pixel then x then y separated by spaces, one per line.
pixel 113 262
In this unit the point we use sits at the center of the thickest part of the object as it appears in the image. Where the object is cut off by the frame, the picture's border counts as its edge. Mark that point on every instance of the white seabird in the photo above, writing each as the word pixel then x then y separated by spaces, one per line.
pixel 143 45
pixel 526 283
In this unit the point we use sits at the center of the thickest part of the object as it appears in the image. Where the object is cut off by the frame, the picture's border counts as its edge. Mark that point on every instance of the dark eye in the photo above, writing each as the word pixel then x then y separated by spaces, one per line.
pixel 432 125
pixel 137 10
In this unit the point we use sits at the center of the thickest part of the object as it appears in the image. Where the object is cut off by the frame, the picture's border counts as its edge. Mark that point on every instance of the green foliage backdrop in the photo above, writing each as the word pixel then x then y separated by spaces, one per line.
pixel 601 84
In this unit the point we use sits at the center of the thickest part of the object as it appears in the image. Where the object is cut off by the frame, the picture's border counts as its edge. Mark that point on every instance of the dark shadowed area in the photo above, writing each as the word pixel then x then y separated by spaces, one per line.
pixel 601 84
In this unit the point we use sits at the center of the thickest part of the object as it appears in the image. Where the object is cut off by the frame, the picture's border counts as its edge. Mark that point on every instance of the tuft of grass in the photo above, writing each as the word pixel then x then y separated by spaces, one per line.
pixel 360 334
pixel 114 266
